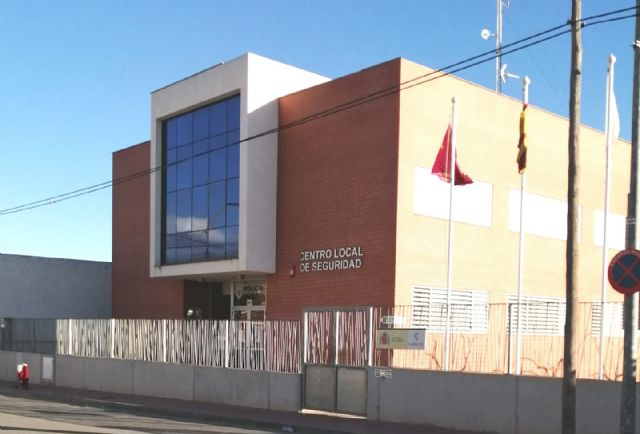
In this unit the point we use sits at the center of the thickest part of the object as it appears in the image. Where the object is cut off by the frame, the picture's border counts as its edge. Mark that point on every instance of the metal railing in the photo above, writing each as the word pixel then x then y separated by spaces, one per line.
pixel 268 345
pixel 482 339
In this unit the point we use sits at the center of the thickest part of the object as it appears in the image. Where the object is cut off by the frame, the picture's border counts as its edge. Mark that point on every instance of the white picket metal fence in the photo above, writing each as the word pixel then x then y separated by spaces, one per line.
pixel 268 346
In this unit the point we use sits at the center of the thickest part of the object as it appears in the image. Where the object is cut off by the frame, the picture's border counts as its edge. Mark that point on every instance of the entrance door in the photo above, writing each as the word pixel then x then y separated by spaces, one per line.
pixel 249 300
pixel 336 352
pixel 206 300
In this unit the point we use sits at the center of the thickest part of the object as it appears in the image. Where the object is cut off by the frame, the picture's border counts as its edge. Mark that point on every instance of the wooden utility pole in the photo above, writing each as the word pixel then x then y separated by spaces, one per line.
pixel 628 399
pixel 573 201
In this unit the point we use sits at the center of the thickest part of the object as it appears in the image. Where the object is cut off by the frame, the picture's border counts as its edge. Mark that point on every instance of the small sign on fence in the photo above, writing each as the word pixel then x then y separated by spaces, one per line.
pixel 392 320
pixel 383 373
pixel 400 339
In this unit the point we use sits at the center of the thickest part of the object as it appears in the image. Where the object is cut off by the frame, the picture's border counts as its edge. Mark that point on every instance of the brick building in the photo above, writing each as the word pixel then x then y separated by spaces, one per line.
pixel 282 189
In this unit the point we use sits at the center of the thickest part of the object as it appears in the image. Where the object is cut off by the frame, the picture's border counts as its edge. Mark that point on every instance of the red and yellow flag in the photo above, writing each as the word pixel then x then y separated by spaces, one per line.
pixel 522 143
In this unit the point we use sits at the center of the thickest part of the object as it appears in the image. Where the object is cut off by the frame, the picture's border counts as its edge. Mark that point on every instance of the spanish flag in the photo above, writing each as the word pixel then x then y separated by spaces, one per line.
pixel 522 143
pixel 442 164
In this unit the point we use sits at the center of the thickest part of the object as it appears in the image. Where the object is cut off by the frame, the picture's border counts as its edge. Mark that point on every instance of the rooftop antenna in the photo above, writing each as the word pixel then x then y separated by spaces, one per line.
pixel 485 34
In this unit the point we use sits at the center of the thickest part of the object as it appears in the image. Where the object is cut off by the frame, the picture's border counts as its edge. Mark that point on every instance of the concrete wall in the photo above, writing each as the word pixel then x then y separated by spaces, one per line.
pixel 9 360
pixel 476 402
pixel 490 403
pixel 36 287
pixel 256 389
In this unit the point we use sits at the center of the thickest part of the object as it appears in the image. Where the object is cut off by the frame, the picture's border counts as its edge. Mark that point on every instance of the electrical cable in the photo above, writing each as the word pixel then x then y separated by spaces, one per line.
pixel 416 81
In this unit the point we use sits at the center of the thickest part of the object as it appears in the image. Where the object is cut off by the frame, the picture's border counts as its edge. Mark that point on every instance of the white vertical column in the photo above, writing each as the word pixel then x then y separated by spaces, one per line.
pixel 525 101
pixel 452 181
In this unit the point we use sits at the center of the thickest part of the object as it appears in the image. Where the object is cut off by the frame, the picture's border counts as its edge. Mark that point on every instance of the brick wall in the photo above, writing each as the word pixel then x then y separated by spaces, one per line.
pixel 134 293
pixel 337 178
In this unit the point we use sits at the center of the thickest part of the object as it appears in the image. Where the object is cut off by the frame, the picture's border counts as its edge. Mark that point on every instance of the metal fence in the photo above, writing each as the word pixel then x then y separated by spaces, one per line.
pixel 484 338
pixel 480 337
pixel 269 345
pixel 28 335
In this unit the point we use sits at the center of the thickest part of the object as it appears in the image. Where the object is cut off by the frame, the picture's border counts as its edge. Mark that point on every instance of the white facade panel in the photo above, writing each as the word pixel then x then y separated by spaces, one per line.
pixel 616 225
pixel 542 216
pixel 259 81
pixel 472 203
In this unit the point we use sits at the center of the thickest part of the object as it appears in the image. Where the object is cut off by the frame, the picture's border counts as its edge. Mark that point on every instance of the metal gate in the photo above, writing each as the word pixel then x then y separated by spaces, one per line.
pixel 336 352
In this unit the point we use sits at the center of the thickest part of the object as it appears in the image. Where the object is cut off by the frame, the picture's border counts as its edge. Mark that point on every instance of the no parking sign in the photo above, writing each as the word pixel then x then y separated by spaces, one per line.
pixel 624 271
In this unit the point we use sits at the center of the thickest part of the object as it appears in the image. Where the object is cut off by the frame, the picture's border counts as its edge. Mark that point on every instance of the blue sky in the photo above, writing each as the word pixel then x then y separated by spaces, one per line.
pixel 76 77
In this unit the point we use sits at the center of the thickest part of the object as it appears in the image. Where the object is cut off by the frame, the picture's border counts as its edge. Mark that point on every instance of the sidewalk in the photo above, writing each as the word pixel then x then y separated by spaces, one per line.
pixel 302 422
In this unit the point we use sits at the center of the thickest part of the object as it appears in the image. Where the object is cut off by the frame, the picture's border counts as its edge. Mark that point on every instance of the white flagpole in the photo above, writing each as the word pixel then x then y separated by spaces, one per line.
pixel 605 244
pixel 452 181
pixel 525 100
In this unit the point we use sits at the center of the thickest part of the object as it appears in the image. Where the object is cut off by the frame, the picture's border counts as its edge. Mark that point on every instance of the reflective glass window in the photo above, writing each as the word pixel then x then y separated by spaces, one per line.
pixel 233 161
pixel 171 156
pixel 201 124
pixel 200 205
pixel 171 177
pixel 199 239
pixel 184 211
pixel 170 256
pixel 233 137
pixel 184 176
pixel 219 118
pixel 216 252
pixel 170 133
pixel 233 198
pixel 171 213
pixel 183 255
pixel 201 184
pixel 219 141
pixel 231 246
pixel 217 198
pixel 233 113
pixel 217 236
pixel 232 235
pixel 183 239
pixel 185 129
pixel 171 241
pixel 218 165
pixel 201 147
pixel 201 170
pixel 184 152
pixel 199 254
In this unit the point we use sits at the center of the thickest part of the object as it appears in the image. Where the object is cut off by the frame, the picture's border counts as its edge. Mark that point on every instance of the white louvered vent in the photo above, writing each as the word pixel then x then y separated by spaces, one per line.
pixel 613 319
pixel 540 315
pixel 469 309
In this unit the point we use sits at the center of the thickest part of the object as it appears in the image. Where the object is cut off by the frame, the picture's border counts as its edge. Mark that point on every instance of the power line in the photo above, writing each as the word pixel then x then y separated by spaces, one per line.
pixel 476 60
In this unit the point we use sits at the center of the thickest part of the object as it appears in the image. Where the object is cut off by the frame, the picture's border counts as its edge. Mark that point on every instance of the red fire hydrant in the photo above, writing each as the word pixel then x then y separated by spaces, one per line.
pixel 23 375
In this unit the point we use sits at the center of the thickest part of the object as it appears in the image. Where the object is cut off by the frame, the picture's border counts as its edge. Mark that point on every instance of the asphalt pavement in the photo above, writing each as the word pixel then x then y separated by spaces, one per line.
pixel 303 422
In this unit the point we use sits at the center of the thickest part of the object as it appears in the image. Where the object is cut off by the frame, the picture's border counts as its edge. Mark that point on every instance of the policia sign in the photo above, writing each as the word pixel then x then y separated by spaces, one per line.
pixel 341 258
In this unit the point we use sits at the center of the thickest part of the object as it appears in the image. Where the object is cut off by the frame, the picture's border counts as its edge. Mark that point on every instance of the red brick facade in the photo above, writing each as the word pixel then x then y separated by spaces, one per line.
pixel 134 293
pixel 337 188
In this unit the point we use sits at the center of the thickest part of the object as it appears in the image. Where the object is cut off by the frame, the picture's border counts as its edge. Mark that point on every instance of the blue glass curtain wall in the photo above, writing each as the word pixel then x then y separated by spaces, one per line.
pixel 201 155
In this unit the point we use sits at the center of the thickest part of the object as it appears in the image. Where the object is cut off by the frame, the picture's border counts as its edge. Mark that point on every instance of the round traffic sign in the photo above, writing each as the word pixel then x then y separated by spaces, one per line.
pixel 624 271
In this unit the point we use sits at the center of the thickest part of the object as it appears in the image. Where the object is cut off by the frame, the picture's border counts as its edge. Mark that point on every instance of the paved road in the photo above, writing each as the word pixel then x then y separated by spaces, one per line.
pixel 118 412
pixel 19 415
